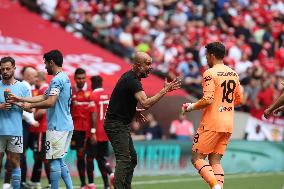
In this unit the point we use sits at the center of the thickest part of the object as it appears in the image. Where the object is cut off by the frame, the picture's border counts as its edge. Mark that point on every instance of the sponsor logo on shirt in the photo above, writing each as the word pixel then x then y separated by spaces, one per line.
pixel 226 74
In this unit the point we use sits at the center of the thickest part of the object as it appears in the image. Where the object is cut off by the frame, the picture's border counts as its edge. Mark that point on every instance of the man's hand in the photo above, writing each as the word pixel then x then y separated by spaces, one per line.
pixel 278 110
pixel 173 85
pixel 93 138
pixel 6 106
pixel 140 117
pixel 13 98
pixel 268 113
pixel 35 124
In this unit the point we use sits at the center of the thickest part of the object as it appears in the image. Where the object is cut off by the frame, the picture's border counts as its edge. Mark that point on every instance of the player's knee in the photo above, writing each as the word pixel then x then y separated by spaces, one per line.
pixel 46 161
pixel 15 160
pixel 81 155
pixel 193 160
pixel 90 158
pixel 55 166
pixel 213 161
pixel 37 158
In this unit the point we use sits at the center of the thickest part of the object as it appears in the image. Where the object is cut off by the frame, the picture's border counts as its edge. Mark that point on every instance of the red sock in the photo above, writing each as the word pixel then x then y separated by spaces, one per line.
pixel 206 172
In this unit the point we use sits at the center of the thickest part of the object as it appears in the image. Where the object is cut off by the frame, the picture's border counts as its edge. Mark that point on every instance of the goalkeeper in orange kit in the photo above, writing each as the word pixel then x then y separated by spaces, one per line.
pixel 221 93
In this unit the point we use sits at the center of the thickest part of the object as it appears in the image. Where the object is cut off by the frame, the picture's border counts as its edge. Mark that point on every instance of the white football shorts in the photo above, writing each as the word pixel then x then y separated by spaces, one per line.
pixel 57 143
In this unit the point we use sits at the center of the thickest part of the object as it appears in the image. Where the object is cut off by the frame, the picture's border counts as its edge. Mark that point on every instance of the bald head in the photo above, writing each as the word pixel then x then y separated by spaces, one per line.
pixel 29 75
pixel 40 79
pixel 142 64
pixel 41 75
pixel 141 58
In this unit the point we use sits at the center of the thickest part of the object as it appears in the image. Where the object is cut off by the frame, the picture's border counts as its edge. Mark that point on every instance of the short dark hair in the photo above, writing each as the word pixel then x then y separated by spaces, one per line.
pixel 217 49
pixel 97 81
pixel 8 59
pixel 54 55
pixel 80 71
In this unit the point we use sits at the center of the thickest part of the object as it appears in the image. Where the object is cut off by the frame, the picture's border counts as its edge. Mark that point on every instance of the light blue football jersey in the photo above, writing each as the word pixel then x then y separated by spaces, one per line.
pixel 11 120
pixel 58 116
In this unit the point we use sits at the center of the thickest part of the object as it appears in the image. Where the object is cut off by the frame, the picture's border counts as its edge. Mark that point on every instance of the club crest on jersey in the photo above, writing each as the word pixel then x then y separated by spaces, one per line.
pixel 207 78
pixel 35 93
pixel 87 94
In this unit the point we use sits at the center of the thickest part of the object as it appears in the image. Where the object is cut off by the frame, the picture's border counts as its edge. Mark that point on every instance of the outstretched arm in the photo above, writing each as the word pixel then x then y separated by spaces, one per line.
pixel 274 106
pixel 13 98
pixel 49 102
pixel 146 102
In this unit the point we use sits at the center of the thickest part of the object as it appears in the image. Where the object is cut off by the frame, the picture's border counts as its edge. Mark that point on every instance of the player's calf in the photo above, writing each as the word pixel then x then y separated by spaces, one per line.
pixel 205 171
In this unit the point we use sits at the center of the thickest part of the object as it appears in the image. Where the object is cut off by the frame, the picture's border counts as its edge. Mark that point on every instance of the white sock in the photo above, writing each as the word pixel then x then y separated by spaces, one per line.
pixel 6 186
pixel 217 186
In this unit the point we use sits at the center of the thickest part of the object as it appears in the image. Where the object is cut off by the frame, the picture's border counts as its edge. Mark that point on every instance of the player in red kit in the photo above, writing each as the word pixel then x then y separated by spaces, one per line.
pixel 37 136
pixel 81 113
pixel 97 144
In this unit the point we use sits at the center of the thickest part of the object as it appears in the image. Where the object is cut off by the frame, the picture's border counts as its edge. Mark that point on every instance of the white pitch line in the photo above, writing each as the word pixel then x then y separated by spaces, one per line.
pixel 235 176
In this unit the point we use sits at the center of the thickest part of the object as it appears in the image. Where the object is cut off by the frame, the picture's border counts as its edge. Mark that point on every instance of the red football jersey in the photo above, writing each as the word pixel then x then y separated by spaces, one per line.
pixel 43 121
pixel 101 100
pixel 81 109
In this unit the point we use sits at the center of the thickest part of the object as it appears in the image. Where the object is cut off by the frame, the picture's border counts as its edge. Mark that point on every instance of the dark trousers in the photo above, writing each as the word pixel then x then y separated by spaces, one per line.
pixel 125 154
pixel 100 151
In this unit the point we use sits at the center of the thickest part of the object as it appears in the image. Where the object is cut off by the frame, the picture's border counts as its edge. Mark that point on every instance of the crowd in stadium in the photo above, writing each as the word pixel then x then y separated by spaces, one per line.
pixel 174 34
pixel 178 36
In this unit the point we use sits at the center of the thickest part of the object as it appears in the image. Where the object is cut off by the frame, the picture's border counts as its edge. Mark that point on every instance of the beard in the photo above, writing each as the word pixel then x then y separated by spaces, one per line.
pixel 143 75
pixel 49 72
pixel 7 77
pixel 80 86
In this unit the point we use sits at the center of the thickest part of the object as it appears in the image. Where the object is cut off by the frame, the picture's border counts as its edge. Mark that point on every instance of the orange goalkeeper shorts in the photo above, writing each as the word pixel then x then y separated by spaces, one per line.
pixel 207 142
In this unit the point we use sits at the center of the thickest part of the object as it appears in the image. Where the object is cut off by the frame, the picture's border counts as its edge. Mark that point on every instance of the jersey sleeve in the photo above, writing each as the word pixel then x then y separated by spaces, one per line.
pixel 208 91
pixel 135 86
pixel 55 87
pixel 208 85
pixel 238 93
pixel 208 82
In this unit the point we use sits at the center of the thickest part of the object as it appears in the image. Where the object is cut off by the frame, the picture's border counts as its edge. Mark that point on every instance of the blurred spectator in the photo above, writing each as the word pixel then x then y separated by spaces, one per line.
pixel 136 132
pixel 62 11
pixel 102 21
pixel 263 99
pixel 47 8
pixel 126 40
pixel 88 28
pixel 190 70
pixel 152 130
pixel 182 129
pixel 175 32
pixel 254 133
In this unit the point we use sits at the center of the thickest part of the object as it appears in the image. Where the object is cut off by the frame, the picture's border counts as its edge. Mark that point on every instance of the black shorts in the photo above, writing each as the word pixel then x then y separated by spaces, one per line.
pixel 99 149
pixel 78 140
pixel 36 141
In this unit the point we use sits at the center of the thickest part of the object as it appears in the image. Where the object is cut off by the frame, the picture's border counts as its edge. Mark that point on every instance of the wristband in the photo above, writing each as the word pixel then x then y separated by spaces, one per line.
pixel 93 130
pixel 191 107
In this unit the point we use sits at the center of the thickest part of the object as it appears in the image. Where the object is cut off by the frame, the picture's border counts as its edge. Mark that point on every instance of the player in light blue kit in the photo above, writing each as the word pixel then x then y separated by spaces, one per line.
pixel 57 100
pixel 11 128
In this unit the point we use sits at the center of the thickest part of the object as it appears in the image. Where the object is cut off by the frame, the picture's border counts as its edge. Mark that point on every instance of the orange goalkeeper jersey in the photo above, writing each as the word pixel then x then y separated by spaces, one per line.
pixel 221 84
